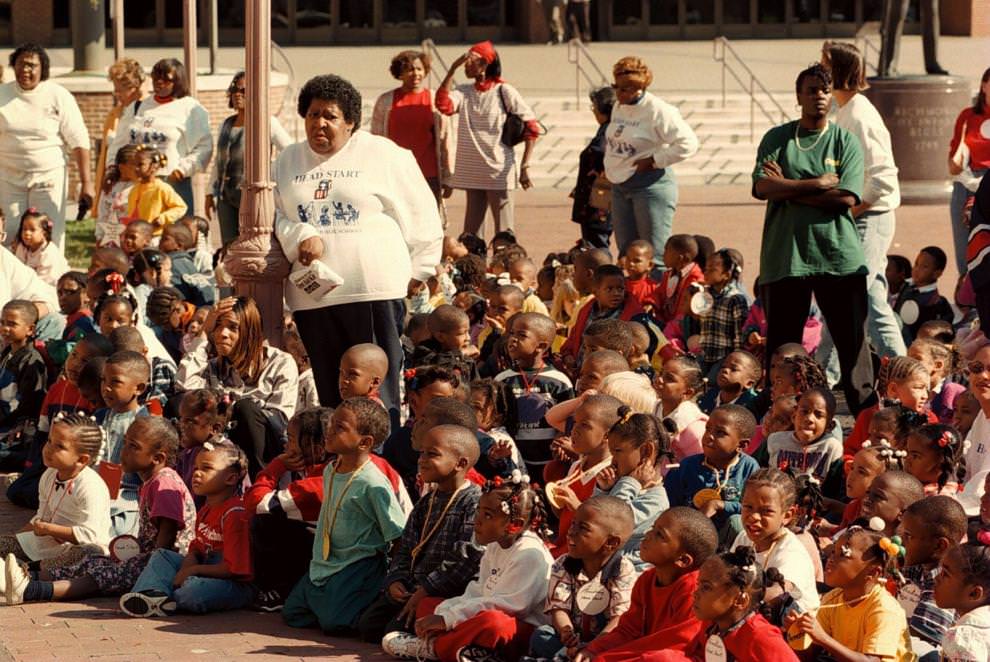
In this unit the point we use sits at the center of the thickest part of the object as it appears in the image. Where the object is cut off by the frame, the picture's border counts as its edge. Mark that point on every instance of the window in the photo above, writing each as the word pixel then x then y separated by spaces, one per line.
pixel 312 13
pixel 699 12
pixel 663 12
pixel 627 12
pixel 442 13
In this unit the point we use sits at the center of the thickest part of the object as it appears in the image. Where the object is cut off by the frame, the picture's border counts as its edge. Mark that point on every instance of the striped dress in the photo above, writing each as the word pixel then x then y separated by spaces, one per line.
pixel 482 161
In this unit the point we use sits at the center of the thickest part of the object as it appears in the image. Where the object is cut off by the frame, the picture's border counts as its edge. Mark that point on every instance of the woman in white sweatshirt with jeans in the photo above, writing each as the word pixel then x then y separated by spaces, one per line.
pixel 359 204
pixel 645 137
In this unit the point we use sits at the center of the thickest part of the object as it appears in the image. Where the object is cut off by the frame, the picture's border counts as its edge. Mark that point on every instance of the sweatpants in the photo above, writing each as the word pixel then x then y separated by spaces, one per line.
pixel 480 201
pixel 329 331
pixel 44 191
pixel 336 605
pixel 843 302
pixel 490 629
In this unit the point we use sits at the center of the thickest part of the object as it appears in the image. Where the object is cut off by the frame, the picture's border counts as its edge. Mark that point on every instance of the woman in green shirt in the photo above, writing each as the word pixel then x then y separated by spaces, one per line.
pixel 810 173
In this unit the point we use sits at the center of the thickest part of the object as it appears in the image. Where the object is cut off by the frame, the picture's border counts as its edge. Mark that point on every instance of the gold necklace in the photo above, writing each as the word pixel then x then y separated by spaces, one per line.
pixel 328 530
pixel 797 140
pixel 425 536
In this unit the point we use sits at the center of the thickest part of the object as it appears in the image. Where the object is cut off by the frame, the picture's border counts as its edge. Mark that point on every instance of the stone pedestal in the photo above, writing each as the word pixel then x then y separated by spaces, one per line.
pixel 920 112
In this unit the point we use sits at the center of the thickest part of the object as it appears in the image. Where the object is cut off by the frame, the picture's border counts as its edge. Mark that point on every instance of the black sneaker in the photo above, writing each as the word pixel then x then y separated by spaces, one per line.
pixel 147 603
pixel 268 601
pixel 477 654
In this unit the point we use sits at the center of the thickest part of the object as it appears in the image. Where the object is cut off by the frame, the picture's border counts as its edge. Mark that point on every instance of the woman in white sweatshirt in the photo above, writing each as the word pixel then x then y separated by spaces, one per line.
pixel 40 123
pixel 645 137
pixel 172 122
pixel 357 205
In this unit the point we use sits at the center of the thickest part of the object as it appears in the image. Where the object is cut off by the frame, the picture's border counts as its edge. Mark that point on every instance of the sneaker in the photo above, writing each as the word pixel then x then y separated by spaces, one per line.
pixel 15 581
pixel 268 601
pixel 408 646
pixel 477 654
pixel 147 603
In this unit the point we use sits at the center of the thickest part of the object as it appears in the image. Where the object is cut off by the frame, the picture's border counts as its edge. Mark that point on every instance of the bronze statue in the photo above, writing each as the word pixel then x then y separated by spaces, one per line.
pixel 894 12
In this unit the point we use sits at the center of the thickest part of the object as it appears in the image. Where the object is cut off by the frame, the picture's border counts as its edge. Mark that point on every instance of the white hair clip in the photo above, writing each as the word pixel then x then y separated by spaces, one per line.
pixel 208 446
pixel 877 524
pixel 867 444
pixel 900 453
pixel 517 477
pixel 506 508
pixel 846 551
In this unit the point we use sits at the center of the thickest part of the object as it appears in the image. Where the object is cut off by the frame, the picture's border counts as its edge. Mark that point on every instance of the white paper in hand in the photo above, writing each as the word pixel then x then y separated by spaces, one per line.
pixel 317 280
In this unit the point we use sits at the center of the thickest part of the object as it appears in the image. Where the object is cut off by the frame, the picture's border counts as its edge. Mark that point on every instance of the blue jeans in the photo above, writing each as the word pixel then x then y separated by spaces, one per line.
pixel 876 231
pixel 198 595
pixel 545 643
pixel 643 208
pixel 960 233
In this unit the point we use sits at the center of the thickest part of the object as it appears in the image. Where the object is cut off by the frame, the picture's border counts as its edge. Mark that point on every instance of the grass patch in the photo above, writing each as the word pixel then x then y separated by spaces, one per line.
pixel 80 238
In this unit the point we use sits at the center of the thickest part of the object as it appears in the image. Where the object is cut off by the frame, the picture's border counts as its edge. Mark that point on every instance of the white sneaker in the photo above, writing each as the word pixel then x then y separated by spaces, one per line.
pixel 147 603
pixel 408 646
pixel 3 581
pixel 15 581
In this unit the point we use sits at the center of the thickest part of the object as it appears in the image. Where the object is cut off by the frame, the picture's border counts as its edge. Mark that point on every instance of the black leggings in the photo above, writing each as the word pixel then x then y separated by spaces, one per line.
pixel 258 431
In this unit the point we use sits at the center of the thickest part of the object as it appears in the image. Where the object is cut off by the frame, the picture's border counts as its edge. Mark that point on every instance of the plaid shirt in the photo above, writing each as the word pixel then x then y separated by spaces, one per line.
pixel 449 560
pixel 928 621
pixel 721 328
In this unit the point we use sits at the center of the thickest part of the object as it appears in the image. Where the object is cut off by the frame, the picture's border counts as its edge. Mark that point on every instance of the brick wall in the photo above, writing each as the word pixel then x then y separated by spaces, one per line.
pixel 31 20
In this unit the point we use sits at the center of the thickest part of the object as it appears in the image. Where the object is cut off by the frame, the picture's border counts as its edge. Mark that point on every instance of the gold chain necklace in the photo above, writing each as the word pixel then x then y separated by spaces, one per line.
pixel 328 530
pixel 797 140
pixel 425 536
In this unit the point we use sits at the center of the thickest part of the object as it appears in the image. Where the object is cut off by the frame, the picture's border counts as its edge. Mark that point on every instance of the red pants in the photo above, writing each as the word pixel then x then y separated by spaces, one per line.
pixel 491 629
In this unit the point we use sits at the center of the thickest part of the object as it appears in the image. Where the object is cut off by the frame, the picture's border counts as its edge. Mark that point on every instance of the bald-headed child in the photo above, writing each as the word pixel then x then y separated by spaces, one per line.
pixel 435 556
pixel 890 494
pixel 107 257
pixel 178 243
pixel 594 568
pixel 735 383
pixel 672 294
pixel 597 366
pixel 536 386
pixel 136 237
pixel 522 274
pixel 161 384
pixel 660 614
pixel 449 342
pixel 362 369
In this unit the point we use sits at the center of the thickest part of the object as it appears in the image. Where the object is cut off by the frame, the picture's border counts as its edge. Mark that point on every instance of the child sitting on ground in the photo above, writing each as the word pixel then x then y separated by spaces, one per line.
pixel 168 521
pixel 926 303
pixel 178 244
pixel 720 324
pixel 873 459
pixel 673 293
pixel 637 444
pixel 934 456
pixel 215 574
pixel 33 246
pixel 449 343
pixel 898 274
pixel 501 608
pixel 352 534
pixel 929 529
pixel 768 509
pixel 522 274
pixel 72 519
pixel 199 227
pixel 713 480
pixel 308 396
pixel 638 263
pixel 939 360
pixel 74 304
pixel 536 387
pixel 858 616
pixel 890 494
pixel 435 556
pixel 680 384
pixel 23 380
pixel 814 446
pixel 282 519
pixel 610 301
pixel 660 614
pixel 963 585
pixel 362 370
pixel 136 237
pixel 499 455
pixel 738 374
pixel 599 531
pixel 729 600
pixel 201 419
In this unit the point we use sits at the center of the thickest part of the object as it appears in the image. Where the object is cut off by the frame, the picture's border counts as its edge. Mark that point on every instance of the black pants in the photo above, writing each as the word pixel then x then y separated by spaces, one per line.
pixel 259 432
pixel 843 302
pixel 281 549
pixel 380 618
pixel 328 332
pixel 579 20
pixel 597 234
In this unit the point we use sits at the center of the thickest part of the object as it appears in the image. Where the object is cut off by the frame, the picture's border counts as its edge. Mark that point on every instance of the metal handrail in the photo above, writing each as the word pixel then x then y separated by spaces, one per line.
pixel 721 46
pixel 290 89
pixel 575 51
pixel 430 48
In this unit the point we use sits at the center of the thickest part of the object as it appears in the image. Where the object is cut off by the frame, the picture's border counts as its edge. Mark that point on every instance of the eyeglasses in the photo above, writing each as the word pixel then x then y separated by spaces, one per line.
pixel 976 368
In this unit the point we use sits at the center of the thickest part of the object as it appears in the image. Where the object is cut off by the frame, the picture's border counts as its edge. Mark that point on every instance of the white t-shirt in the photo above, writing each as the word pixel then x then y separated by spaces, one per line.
pixel 38 127
pixel 978 454
pixel 880 186
pixel 82 503
pixel 372 208
pixel 791 558
pixel 19 281
pixel 179 129
pixel 649 127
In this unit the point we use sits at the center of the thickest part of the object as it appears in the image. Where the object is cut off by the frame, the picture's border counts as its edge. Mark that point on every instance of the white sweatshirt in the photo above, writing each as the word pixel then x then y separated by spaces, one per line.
pixel 880 186
pixel 179 129
pixel 649 127
pixel 38 128
pixel 513 581
pixel 19 281
pixel 82 503
pixel 372 208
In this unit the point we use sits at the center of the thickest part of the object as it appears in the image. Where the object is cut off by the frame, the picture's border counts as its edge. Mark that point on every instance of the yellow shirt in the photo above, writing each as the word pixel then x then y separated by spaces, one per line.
pixel 874 626
pixel 155 202
pixel 533 304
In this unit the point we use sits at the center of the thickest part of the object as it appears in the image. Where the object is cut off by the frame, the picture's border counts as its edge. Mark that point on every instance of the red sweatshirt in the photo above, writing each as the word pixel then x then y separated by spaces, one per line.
pixel 572 346
pixel 659 617
pixel 667 309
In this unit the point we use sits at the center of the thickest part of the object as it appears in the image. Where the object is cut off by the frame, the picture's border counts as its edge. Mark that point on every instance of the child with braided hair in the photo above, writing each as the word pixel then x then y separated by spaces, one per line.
pixel 793 375
pixel 74 504
pixel 901 380
pixel 501 608
pixel 858 617
pixel 729 601
pixel 963 584
pixel 872 460
pixel 814 446
pixel 168 521
pixel 935 457
pixel 638 445
pixel 940 359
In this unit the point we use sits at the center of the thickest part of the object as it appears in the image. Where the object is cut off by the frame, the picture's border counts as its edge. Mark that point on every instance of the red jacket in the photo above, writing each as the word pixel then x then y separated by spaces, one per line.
pixel 665 308
pixel 572 346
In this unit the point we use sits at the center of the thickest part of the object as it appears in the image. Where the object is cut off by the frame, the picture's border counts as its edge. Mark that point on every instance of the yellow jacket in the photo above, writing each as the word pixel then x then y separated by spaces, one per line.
pixel 155 202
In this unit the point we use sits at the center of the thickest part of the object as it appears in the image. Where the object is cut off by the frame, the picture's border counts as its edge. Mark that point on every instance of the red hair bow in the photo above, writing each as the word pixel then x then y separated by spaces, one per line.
pixel 116 282
pixel 409 374
pixel 983 537
pixel 944 440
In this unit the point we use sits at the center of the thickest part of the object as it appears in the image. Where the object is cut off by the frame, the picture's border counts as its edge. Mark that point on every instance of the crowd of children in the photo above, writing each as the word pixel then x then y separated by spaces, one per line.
pixel 592 464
